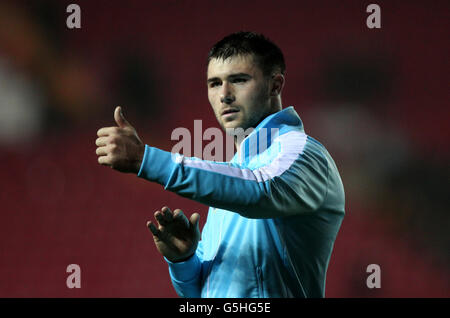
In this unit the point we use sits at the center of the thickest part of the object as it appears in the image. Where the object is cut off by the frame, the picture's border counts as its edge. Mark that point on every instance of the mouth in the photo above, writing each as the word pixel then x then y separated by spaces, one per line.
pixel 229 111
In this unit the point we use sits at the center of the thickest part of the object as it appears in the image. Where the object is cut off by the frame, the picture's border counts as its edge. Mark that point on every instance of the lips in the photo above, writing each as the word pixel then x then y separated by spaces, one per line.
pixel 229 111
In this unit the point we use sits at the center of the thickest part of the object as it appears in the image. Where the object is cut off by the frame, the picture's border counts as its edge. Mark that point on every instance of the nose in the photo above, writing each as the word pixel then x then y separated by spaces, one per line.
pixel 226 95
pixel 227 99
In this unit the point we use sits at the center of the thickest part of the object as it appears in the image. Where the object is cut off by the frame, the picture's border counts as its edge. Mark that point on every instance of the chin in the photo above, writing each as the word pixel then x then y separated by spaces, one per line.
pixel 229 125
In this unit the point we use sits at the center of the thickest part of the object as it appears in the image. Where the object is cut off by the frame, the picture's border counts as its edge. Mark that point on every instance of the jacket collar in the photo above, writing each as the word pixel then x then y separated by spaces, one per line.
pixel 284 117
pixel 267 130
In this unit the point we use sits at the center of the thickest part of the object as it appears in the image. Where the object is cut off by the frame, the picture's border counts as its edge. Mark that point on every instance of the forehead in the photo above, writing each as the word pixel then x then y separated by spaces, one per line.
pixel 232 65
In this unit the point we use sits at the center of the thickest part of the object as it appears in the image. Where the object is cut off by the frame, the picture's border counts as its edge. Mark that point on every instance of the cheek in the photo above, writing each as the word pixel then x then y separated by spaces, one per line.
pixel 258 104
pixel 210 95
pixel 211 98
pixel 246 99
pixel 213 103
pixel 254 100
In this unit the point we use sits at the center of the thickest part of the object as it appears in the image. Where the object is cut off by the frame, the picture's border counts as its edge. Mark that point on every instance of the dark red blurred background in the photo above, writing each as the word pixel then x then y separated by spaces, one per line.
pixel 376 98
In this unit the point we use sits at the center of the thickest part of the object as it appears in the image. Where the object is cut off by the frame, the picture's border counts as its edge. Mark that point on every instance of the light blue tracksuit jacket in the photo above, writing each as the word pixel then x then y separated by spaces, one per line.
pixel 275 211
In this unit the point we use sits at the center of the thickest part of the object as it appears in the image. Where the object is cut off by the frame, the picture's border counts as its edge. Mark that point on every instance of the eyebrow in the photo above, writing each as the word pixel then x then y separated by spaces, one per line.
pixel 232 76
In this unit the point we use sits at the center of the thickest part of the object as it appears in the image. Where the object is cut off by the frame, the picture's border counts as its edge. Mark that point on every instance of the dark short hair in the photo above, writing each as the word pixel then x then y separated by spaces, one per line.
pixel 267 55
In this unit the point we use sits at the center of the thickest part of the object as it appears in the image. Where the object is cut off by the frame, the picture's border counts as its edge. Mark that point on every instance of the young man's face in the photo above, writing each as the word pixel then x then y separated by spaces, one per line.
pixel 238 92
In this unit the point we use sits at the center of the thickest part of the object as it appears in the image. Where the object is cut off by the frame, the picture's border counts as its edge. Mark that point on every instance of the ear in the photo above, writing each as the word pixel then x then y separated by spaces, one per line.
pixel 277 84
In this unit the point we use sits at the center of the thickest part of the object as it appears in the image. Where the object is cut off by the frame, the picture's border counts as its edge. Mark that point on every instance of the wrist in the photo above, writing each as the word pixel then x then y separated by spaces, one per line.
pixel 185 271
pixel 140 157
pixel 180 260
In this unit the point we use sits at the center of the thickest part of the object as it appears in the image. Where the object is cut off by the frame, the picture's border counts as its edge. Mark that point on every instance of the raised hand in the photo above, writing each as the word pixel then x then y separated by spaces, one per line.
pixel 120 147
pixel 176 237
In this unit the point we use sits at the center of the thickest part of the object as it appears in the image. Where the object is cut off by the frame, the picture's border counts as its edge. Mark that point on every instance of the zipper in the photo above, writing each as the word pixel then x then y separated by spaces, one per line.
pixel 215 254
pixel 260 280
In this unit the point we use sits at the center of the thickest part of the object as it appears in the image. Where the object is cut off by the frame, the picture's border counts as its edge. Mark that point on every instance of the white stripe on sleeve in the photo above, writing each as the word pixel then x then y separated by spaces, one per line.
pixel 292 144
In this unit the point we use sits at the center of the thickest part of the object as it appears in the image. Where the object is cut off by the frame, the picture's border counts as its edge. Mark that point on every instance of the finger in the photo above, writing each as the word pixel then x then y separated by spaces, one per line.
pixel 104 160
pixel 101 151
pixel 159 217
pixel 167 214
pixel 153 229
pixel 194 220
pixel 120 119
pixel 101 141
pixel 106 131
pixel 179 215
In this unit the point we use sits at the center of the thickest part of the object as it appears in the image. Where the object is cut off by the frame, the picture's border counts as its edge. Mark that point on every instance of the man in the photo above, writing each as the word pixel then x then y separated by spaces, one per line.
pixel 274 214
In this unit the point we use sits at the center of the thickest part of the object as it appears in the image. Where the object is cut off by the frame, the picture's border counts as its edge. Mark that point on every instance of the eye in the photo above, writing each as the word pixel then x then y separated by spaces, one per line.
pixel 214 84
pixel 240 80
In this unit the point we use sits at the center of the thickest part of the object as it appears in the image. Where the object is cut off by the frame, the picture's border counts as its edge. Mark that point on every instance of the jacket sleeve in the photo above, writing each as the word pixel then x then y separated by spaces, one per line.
pixel 186 275
pixel 292 182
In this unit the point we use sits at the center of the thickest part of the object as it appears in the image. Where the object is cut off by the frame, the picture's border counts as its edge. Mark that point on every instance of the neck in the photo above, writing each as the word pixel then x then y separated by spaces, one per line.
pixel 276 107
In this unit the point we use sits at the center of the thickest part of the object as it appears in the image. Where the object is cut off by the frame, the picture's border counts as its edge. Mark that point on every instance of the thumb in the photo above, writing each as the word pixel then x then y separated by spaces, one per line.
pixel 120 119
pixel 194 220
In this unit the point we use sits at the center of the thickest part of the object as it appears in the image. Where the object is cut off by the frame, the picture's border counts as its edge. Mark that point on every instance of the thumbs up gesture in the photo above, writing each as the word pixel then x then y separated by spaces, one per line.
pixel 120 147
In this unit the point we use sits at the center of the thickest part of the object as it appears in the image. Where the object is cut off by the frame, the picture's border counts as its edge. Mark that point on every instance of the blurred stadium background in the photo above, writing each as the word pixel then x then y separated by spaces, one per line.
pixel 377 99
